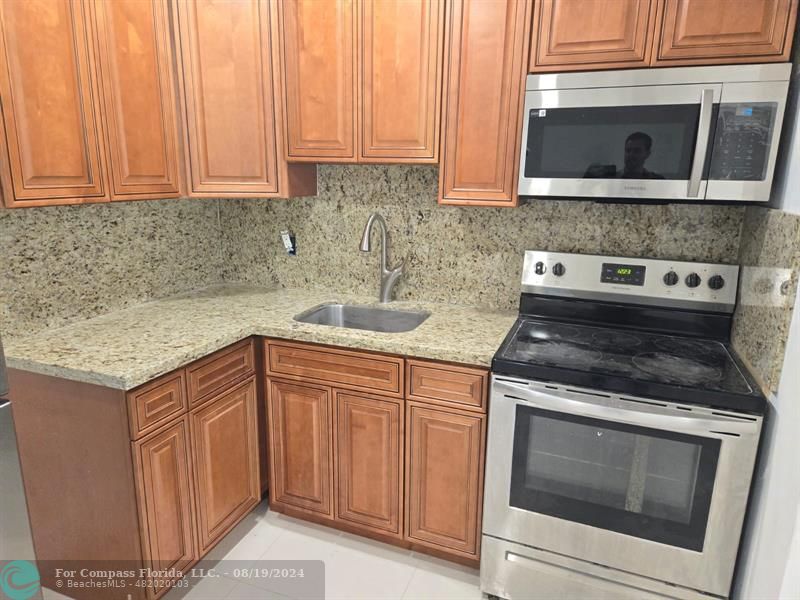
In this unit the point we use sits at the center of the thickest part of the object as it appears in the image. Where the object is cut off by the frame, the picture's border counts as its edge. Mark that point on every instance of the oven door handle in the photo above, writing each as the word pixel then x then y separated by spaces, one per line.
pixel 645 415
pixel 701 144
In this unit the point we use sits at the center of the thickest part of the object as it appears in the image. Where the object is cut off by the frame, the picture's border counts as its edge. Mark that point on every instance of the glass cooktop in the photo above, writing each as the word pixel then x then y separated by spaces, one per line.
pixel 623 354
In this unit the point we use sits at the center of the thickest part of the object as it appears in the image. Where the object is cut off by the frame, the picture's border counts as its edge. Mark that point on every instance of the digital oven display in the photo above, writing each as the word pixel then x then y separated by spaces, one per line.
pixel 627 274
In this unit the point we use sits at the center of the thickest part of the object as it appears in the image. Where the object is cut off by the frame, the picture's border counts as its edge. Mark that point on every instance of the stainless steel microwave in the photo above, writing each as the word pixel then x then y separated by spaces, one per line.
pixel 686 133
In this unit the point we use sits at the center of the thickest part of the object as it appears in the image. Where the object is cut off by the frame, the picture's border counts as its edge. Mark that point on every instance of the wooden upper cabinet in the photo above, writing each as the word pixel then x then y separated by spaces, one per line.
pixel 53 152
pixel 402 44
pixel 724 31
pixel 300 442
pixel 229 78
pixel 319 61
pixel 483 101
pixel 571 35
pixel 228 93
pixel 138 97
pixel 225 455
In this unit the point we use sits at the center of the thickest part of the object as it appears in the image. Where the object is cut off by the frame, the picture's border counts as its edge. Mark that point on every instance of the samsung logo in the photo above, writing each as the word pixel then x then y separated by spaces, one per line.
pixel 635 188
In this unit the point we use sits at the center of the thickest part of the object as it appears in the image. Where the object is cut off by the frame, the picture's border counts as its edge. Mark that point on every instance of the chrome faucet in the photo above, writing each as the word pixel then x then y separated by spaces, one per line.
pixel 389 277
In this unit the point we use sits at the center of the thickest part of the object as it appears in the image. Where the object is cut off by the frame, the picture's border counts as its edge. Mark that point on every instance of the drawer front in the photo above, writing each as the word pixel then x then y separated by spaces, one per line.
pixel 156 403
pixel 218 371
pixel 449 385
pixel 343 368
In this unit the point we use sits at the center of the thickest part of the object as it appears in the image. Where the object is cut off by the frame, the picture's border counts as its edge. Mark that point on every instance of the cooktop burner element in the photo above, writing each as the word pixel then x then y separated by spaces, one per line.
pixel 678 369
pixel 651 335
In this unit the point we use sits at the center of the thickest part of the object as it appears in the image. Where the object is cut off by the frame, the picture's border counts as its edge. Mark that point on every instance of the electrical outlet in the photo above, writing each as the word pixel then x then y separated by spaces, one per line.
pixel 289 242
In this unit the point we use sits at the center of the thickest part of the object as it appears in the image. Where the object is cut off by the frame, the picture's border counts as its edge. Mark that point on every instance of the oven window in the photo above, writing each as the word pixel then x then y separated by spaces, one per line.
pixel 612 142
pixel 634 480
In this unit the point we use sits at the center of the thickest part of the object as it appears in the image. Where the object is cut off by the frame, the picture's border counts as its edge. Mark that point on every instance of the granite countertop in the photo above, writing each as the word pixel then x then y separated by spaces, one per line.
pixel 127 348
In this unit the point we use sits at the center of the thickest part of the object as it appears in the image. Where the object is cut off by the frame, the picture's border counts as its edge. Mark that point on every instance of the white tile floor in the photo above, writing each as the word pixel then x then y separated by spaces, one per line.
pixel 355 568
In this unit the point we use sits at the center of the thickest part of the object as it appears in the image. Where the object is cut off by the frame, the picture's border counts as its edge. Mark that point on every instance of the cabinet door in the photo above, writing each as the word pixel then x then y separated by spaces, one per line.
pixel 300 429
pixel 444 478
pixel 402 42
pixel 319 76
pixel 592 34
pixel 483 101
pixel 724 31
pixel 225 452
pixel 138 97
pixel 166 500
pixel 227 77
pixel 368 432
pixel 52 153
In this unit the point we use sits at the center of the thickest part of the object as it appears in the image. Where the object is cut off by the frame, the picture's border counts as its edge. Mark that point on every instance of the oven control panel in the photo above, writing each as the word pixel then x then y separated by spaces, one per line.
pixel 651 281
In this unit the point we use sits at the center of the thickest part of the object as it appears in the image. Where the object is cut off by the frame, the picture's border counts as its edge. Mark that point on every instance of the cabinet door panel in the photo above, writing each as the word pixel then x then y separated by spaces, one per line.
pixel 320 66
pixel 725 31
pixel 483 109
pixel 49 104
pixel 225 50
pixel 368 432
pixel 300 426
pixel 401 41
pixel 444 478
pixel 225 450
pixel 592 34
pixel 166 501
pixel 139 98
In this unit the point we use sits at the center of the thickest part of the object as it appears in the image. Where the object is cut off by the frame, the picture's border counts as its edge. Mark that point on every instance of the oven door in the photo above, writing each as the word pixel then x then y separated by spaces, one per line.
pixel 643 486
pixel 623 142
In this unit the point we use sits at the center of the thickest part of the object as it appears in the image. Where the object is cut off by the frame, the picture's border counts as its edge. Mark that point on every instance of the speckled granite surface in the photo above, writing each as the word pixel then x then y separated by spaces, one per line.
pixel 129 347
pixel 770 256
pixel 66 263
pixel 462 255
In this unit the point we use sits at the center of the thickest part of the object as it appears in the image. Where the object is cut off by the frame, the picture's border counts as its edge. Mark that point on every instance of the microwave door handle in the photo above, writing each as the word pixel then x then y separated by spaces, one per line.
pixel 701 144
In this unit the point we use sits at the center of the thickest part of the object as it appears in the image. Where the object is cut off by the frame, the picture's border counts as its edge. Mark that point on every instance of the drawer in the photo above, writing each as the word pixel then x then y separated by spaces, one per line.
pixel 157 402
pixel 343 368
pixel 448 385
pixel 216 372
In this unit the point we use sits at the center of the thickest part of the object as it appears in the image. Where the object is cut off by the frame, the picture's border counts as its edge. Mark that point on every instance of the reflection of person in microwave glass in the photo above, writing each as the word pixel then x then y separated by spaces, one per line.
pixel 638 147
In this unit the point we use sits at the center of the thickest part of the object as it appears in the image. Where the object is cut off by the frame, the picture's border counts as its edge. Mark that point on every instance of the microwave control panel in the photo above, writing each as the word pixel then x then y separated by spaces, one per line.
pixel 742 141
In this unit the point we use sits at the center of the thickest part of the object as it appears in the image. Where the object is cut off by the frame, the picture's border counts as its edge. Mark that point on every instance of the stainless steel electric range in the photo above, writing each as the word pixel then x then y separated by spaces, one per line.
pixel 623 432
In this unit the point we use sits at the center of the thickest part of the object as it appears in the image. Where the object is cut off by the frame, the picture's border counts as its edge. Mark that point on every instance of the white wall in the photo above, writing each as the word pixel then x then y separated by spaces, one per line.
pixel 770 564
pixel 769 567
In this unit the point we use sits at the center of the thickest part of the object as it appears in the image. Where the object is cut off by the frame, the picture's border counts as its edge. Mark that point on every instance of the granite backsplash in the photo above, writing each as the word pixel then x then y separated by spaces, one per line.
pixel 770 259
pixel 63 264
pixel 66 263
pixel 452 254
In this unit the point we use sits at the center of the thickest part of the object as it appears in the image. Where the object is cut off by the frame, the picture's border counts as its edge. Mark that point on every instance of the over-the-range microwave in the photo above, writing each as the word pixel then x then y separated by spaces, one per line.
pixel 686 133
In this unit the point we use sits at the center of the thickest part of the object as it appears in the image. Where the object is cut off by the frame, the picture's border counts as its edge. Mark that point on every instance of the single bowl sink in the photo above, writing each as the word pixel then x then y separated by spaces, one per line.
pixel 370 318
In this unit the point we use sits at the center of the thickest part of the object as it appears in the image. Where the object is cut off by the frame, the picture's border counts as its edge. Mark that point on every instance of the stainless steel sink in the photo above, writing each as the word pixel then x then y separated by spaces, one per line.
pixel 370 318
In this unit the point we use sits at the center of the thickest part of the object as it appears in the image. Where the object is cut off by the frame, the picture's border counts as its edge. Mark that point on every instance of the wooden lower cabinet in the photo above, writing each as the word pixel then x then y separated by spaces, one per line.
pixel 369 431
pixel 444 478
pixel 225 456
pixel 300 446
pixel 166 499
pixel 405 468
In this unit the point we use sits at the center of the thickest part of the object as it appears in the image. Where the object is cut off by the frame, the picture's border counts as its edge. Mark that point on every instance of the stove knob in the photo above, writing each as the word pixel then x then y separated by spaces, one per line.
pixel 539 269
pixel 558 269
pixel 716 282
pixel 693 280
pixel 671 278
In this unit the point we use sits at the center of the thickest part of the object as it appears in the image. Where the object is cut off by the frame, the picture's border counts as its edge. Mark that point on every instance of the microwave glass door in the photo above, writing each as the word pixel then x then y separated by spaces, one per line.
pixel 612 142
pixel 649 483
pixel 639 142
